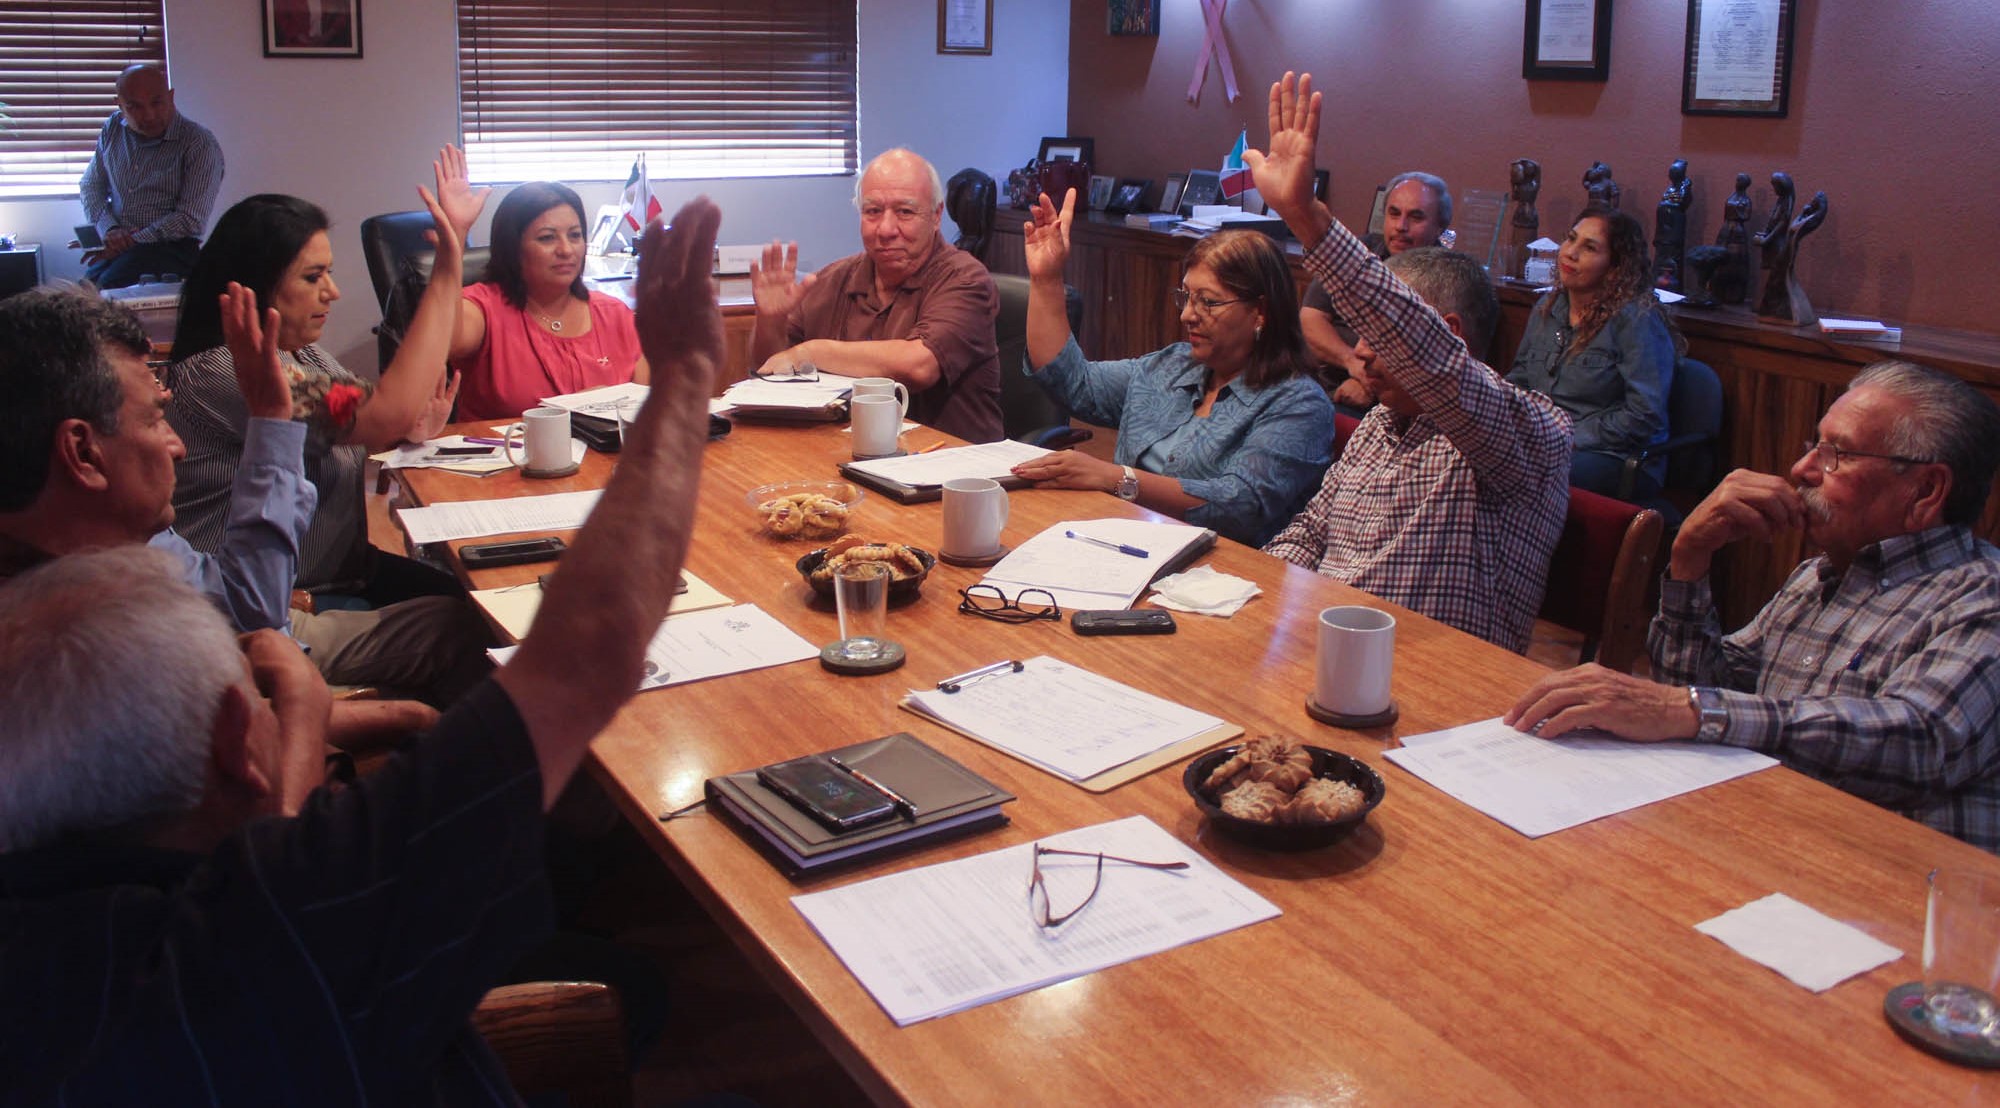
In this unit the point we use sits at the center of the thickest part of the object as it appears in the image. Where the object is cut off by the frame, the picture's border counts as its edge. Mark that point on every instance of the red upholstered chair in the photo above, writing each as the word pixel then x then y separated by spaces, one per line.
pixel 1343 429
pixel 1601 575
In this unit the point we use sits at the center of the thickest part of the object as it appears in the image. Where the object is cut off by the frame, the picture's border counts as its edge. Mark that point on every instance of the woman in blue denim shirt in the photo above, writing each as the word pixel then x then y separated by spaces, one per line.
pixel 1601 348
pixel 1225 430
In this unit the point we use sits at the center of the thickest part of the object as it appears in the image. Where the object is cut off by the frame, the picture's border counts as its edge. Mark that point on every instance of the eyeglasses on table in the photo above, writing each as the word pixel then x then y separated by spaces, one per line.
pixel 1039 904
pixel 1023 607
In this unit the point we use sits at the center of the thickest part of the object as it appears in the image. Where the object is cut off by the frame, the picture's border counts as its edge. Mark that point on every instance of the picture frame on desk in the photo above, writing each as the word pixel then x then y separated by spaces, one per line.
pixel 1204 186
pixel 1100 191
pixel 293 29
pixel 1128 196
pixel 1738 59
pixel 1170 195
pixel 1068 150
pixel 965 27
pixel 1566 41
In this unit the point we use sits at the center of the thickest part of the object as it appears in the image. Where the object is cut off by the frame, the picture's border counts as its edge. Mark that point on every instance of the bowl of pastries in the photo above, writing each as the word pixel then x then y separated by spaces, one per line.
pixel 816 510
pixel 908 565
pixel 1278 794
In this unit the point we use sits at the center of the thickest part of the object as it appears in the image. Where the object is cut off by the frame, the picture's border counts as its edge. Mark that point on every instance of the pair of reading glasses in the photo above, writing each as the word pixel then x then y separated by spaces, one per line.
pixel 1025 606
pixel 1831 456
pixel 1039 904
pixel 1204 306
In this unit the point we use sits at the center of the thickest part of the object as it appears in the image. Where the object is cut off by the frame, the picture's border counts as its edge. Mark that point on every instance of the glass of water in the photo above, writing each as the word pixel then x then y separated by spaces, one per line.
pixel 1962 953
pixel 861 592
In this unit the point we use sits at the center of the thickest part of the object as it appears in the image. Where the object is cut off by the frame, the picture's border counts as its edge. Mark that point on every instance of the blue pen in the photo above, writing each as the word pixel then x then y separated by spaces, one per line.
pixel 1118 546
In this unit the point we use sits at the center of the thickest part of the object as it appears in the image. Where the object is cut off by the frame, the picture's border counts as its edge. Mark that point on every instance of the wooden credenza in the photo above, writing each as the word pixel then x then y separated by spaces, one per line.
pixel 1777 381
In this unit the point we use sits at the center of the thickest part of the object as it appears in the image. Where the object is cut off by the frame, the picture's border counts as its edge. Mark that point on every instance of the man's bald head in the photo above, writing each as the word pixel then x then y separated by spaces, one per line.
pixel 146 100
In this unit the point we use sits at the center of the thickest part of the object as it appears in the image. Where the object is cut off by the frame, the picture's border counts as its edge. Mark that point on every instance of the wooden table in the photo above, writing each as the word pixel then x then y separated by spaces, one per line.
pixel 1435 956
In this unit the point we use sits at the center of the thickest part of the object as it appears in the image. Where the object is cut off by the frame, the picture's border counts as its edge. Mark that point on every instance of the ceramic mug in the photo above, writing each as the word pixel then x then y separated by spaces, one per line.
pixel 877 424
pixel 1357 649
pixel 884 386
pixel 975 512
pixel 544 439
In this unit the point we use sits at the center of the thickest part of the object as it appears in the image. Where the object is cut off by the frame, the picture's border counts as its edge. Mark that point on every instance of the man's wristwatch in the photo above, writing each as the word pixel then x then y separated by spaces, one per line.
pixel 1128 485
pixel 1707 704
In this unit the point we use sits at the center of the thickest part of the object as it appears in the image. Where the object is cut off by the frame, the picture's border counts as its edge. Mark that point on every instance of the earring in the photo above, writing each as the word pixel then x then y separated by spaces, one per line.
pixel 1257 335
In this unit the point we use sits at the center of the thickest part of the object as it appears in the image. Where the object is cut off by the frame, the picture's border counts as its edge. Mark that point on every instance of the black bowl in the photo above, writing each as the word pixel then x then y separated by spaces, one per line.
pixel 905 588
pixel 1285 836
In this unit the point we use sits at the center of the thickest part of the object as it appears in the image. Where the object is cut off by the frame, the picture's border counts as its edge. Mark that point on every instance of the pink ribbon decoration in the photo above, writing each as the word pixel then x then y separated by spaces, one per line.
pixel 1211 39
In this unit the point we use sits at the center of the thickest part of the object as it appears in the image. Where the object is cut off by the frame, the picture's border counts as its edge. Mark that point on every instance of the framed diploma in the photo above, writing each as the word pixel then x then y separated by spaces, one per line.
pixel 965 27
pixel 1567 40
pixel 1739 58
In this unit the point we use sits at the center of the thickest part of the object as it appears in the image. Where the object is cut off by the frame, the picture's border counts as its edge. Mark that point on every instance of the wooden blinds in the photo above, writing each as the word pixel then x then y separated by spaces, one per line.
pixel 59 66
pixel 571 90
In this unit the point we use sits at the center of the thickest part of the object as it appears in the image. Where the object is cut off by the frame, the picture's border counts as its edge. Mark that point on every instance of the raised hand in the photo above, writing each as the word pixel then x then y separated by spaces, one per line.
pixel 437 410
pixel 448 238
pixel 680 328
pixel 455 193
pixel 253 347
pixel 775 284
pixel 1284 174
pixel 1046 236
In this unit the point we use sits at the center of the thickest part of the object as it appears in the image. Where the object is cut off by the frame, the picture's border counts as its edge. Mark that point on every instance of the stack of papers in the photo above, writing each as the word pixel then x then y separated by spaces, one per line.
pixel 1210 218
pixel 929 942
pixel 1536 786
pixel 602 402
pixel 470 519
pixel 424 455
pixel 993 460
pixel 1084 575
pixel 712 643
pixel 755 394
pixel 1873 330
pixel 514 606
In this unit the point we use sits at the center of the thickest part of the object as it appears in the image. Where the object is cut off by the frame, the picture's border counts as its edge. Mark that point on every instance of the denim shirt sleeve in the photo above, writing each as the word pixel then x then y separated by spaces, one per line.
pixel 1645 360
pixel 250 578
pixel 1274 468
pixel 1093 391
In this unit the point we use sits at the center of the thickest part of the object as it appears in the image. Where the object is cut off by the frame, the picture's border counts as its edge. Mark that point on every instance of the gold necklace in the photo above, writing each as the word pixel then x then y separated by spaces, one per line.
pixel 553 323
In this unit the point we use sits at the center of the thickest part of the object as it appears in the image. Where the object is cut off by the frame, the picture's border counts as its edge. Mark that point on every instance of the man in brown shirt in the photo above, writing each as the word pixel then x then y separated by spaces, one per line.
pixel 909 306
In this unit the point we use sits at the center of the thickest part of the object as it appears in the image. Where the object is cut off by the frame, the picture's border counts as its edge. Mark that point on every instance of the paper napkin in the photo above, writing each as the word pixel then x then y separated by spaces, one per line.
pixel 1809 947
pixel 1203 591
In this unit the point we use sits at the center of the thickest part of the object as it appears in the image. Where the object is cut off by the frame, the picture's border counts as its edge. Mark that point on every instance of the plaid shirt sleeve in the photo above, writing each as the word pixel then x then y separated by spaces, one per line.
pixel 94 190
pixel 201 180
pixel 1510 436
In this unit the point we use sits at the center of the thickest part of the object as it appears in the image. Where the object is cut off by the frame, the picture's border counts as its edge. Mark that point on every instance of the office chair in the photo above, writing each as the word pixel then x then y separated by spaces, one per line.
pixel 388 239
pixel 1694 423
pixel 1600 576
pixel 1027 413
pixel 969 200
pixel 400 305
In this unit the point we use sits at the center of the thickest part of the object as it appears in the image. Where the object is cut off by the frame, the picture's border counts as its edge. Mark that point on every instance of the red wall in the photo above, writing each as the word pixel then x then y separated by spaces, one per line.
pixel 1893 115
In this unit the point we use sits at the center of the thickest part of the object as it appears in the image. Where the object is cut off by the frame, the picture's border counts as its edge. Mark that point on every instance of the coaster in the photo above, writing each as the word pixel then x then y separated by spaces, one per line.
pixel 876 457
pixel 975 563
pixel 565 471
pixel 1904 1007
pixel 892 658
pixel 1383 718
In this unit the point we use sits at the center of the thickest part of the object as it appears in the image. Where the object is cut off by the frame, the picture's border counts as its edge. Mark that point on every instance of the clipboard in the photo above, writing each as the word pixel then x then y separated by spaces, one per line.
pixel 1116 775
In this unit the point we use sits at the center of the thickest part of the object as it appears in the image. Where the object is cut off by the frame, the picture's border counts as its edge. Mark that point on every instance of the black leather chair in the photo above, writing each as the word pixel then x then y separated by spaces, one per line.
pixel 969 200
pixel 399 306
pixel 386 240
pixel 1026 412
pixel 1694 418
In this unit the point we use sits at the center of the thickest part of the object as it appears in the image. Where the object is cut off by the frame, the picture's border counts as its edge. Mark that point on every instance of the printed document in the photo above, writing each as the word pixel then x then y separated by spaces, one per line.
pixel 929 942
pixel 424 455
pixel 1083 575
pixel 466 519
pixel 711 643
pixel 1066 720
pixel 1536 786
pixel 602 402
pixel 514 606
pixel 987 459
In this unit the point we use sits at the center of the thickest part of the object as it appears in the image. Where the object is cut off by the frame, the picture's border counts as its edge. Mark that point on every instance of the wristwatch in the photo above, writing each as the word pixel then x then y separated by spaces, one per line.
pixel 1128 485
pixel 1707 704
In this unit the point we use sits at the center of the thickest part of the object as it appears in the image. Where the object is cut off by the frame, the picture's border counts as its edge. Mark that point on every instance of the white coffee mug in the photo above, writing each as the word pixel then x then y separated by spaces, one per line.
pixel 544 440
pixel 884 386
pixel 975 512
pixel 1357 649
pixel 877 424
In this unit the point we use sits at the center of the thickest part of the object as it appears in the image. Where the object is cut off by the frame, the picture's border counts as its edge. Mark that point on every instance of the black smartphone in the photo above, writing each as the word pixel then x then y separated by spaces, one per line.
pixel 462 451
pixel 1123 621
pixel 87 236
pixel 818 788
pixel 490 555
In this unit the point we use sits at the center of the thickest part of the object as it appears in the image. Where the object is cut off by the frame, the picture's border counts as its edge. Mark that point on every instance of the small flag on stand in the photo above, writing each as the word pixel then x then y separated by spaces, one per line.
pixel 1235 179
pixel 641 206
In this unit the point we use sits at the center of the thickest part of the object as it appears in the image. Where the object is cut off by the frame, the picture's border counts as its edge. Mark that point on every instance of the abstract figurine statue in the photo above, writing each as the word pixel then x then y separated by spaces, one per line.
pixel 1732 277
pixel 1525 174
pixel 1598 187
pixel 1670 222
pixel 1772 239
pixel 1784 298
pixel 1699 287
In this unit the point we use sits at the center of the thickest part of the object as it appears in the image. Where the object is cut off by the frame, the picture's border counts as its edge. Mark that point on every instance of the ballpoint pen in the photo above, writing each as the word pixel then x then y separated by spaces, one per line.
pixel 486 442
pixel 1118 546
pixel 953 684
pixel 902 803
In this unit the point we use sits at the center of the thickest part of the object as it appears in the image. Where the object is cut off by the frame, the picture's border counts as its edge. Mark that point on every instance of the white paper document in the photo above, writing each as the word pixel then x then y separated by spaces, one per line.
pixel 987 459
pixel 929 942
pixel 514 606
pixel 1084 575
pixel 1067 720
pixel 425 455
pixel 466 519
pixel 711 643
pixel 602 402
pixel 756 392
pixel 1539 785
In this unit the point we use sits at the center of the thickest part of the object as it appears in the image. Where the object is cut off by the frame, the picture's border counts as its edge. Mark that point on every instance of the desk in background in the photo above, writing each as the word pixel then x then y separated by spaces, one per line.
pixel 1436 956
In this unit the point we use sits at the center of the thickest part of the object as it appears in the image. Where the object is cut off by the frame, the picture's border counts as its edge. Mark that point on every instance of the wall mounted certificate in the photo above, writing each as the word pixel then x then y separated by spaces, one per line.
pixel 1567 40
pixel 965 27
pixel 1739 57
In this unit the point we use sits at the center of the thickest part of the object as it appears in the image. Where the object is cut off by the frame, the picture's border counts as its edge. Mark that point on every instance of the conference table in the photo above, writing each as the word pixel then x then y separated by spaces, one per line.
pixel 1434 956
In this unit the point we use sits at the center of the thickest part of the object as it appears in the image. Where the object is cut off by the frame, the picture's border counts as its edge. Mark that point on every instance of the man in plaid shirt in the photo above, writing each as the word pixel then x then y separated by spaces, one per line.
pixel 1451 494
pixel 1874 668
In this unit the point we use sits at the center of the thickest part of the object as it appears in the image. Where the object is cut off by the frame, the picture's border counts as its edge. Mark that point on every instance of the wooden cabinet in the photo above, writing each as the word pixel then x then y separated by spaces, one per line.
pixel 1777 381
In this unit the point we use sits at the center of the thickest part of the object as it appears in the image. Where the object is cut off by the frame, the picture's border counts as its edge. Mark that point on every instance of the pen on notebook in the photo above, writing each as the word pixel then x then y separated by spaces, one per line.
pixel 953 684
pixel 486 442
pixel 902 803
pixel 1118 546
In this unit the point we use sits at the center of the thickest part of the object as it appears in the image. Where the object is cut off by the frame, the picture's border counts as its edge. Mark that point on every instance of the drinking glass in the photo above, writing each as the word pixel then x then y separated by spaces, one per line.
pixel 861 593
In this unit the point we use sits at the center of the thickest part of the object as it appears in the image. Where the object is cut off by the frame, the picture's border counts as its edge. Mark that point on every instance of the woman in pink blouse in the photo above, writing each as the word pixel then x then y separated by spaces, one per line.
pixel 530 329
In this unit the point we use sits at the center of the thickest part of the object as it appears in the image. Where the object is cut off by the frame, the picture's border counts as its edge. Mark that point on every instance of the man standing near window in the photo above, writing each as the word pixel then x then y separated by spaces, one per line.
pixel 150 186
pixel 909 306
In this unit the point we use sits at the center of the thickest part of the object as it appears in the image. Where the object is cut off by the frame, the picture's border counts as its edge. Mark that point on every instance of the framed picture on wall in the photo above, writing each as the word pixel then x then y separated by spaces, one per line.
pixel 1739 58
pixel 312 28
pixel 965 27
pixel 1133 17
pixel 1567 40
pixel 1170 196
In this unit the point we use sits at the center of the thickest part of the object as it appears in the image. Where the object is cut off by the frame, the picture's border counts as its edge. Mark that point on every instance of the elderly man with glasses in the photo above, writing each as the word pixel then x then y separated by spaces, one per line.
pixel 1874 667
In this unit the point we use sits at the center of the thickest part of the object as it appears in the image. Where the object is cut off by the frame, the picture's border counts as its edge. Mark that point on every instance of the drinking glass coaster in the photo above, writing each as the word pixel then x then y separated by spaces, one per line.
pixel 563 471
pixel 1383 718
pixel 975 563
pixel 897 453
pixel 1904 1007
pixel 892 657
